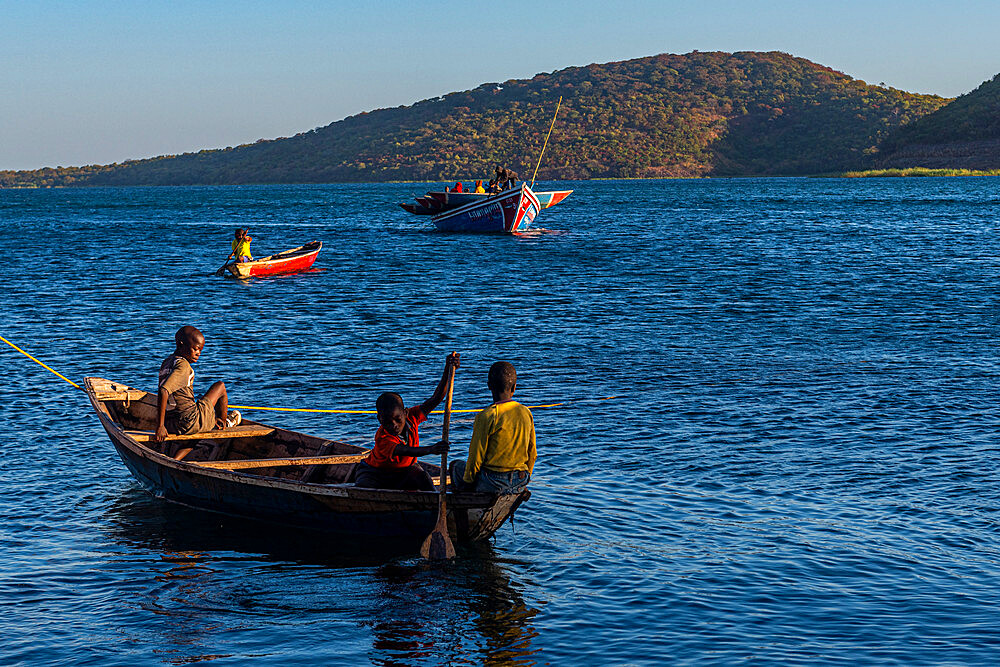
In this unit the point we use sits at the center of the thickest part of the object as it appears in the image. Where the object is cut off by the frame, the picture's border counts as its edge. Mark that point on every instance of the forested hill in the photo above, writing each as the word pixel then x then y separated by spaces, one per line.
pixel 964 134
pixel 669 115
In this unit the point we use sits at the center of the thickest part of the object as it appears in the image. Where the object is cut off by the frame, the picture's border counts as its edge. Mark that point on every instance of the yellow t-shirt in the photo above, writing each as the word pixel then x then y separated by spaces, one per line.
pixel 480 189
pixel 241 248
pixel 503 439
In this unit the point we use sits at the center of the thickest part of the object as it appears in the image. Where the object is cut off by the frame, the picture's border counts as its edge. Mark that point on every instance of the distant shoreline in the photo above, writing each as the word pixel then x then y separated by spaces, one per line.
pixel 913 172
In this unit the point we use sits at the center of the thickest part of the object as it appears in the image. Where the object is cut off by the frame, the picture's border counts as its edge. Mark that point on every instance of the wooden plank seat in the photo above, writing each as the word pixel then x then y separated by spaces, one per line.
pixel 241 431
pixel 127 396
pixel 245 464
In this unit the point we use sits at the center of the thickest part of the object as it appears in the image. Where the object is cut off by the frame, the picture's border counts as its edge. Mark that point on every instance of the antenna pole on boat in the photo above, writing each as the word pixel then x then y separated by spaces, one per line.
pixel 551 125
pixel 438 545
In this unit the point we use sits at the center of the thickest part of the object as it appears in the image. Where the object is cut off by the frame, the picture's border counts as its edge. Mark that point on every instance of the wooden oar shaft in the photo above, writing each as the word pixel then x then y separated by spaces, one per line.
pixel 438 545
pixel 271 463
pixel 444 436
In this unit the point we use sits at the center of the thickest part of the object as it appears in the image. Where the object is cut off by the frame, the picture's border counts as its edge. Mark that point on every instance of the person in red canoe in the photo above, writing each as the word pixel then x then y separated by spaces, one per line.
pixel 458 187
pixel 392 463
pixel 241 247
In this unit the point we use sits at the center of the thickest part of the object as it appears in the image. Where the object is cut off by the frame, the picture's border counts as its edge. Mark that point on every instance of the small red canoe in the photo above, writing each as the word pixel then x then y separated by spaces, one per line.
pixel 289 261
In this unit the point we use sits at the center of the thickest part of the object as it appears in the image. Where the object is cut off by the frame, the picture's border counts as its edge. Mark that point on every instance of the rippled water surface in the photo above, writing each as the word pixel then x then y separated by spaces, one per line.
pixel 801 463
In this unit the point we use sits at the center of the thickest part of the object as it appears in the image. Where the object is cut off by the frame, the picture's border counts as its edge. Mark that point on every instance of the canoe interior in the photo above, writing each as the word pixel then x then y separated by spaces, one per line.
pixel 135 410
pixel 313 246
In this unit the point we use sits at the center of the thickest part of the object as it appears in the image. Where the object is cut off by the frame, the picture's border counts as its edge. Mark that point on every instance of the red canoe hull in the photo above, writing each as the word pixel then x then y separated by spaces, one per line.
pixel 290 261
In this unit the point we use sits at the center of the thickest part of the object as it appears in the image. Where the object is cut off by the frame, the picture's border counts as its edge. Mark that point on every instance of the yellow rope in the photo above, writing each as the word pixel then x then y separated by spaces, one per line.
pixel 337 412
pixel 372 412
pixel 39 363
pixel 551 125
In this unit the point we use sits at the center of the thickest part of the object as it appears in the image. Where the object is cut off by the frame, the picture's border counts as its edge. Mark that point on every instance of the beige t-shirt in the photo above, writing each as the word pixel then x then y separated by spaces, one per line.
pixel 177 377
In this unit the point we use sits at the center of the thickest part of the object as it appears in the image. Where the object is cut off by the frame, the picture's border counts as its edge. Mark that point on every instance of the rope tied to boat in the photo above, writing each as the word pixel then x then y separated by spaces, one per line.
pixel 40 363
pixel 318 410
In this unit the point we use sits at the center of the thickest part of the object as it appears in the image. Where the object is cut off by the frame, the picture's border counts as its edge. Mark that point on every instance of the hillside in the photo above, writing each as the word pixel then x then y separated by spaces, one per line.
pixel 964 134
pixel 696 114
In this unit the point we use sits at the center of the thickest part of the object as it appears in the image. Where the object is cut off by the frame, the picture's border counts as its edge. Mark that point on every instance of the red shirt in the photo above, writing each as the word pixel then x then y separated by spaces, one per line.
pixel 381 455
pixel 458 187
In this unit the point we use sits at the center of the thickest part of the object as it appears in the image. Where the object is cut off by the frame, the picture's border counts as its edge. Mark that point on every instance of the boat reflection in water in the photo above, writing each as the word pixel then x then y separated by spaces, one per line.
pixel 205 586
pixel 464 612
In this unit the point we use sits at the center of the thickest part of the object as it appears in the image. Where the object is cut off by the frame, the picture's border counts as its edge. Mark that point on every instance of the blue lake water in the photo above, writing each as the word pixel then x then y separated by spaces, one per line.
pixel 800 466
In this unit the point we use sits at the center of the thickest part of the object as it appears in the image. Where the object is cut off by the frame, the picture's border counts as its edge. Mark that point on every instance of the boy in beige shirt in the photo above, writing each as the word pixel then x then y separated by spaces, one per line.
pixel 177 410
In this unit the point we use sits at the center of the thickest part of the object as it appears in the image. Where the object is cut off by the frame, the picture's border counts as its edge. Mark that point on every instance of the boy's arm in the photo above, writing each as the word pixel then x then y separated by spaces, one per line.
pixel 450 364
pixel 161 409
pixel 439 447
pixel 532 453
pixel 177 379
pixel 477 447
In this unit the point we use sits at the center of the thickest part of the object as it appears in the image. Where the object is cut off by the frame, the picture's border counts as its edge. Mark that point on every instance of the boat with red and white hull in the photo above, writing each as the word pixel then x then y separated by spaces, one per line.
pixel 438 201
pixel 289 261
pixel 509 211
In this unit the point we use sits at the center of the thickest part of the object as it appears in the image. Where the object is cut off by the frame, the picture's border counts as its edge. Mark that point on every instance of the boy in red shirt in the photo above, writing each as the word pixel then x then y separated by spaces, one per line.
pixel 392 463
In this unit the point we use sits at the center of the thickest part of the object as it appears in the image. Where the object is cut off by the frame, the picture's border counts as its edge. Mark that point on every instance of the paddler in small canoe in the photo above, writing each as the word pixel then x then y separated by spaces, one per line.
pixel 241 247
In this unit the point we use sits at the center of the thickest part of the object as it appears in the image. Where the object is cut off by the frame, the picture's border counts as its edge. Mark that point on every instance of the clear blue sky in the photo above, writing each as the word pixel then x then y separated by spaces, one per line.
pixel 96 82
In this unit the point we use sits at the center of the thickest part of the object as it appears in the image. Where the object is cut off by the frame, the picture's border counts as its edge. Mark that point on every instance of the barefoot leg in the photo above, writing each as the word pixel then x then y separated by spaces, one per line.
pixel 217 397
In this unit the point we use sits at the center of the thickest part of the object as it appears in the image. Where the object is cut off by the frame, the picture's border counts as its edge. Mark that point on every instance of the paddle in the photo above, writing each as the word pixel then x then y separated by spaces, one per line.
pixel 222 268
pixel 438 545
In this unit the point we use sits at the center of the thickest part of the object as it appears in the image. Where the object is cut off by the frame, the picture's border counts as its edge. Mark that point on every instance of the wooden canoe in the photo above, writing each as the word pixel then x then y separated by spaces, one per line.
pixel 289 261
pixel 280 476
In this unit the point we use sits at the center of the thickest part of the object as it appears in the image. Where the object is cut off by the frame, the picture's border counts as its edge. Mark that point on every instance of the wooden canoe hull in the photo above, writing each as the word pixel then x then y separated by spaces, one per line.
pixel 289 261
pixel 335 508
pixel 510 211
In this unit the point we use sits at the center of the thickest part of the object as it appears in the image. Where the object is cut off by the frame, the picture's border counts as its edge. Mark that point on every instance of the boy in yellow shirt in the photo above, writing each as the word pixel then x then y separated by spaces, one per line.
pixel 502 452
pixel 241 246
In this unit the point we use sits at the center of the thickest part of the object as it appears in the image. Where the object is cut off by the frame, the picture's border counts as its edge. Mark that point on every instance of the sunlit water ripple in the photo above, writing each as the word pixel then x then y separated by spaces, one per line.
pixel 800 464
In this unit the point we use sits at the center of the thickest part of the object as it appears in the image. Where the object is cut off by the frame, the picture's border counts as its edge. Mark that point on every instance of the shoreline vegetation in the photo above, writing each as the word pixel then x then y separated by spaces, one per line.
pixel 914 172
pixel 697 115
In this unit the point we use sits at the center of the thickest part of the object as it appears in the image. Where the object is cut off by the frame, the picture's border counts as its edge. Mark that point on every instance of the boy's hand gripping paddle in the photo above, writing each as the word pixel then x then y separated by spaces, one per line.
pixel 438 545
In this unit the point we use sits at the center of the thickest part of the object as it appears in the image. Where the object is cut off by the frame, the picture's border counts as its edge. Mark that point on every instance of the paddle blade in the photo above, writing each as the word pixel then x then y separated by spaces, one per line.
pixel 437 546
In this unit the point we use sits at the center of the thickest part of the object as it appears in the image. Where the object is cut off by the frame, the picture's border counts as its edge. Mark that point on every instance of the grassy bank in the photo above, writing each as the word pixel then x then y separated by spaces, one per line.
pixel 918 171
